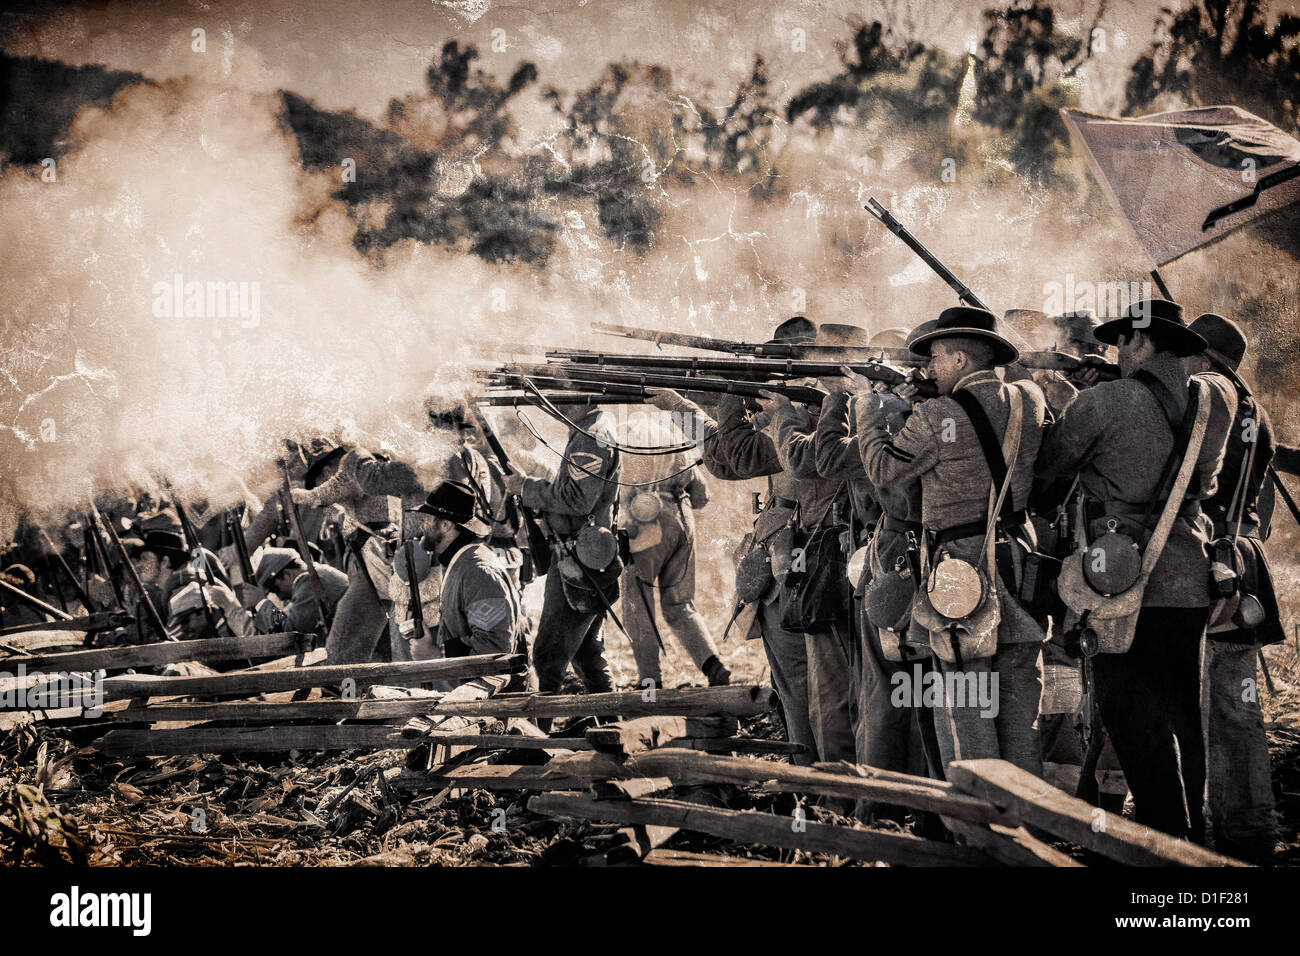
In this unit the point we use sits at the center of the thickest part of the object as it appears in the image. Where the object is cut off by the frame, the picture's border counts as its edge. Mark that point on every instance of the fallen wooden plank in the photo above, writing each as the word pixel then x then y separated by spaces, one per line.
pixel 740 745
pixel 765 829
pixel 166 652
pixel 683 702
pixel 249 682
pixel 1013 846
pixel 690 767
pixel 646 733
pixel 216 740
pixel 99 621
pixel 630 845
pixel 662 857
pixel 1037 803
pixel 490 777
pixel 734 701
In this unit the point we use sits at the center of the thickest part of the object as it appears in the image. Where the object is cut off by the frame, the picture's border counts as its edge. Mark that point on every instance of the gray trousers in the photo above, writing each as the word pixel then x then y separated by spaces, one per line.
pixel 966 732
pixel 665 572
pixel 787 658
pixel 566 636
pixel 360 620
pixel 1240 781
pixel 831 692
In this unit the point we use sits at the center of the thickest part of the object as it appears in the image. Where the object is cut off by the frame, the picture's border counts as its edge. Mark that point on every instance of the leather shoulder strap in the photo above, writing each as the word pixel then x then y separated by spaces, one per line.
pixel 1163 396
pixel 988 440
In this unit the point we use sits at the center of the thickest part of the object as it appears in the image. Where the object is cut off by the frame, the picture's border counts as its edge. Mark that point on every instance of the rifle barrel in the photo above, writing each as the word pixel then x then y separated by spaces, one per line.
pixel 579 376
pixel 558 398
pixel 963 291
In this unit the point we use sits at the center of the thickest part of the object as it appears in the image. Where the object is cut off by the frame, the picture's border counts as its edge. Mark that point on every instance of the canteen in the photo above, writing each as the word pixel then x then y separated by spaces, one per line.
pixel 1113 562
pixel 956 587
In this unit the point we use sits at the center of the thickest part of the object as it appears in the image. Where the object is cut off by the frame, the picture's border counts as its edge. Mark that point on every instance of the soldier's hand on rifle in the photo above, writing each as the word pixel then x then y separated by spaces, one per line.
pixel 771 402
pixel 854 383
pixel 514 483
pixel 908 391
pixel 664 398
pixel 1088 373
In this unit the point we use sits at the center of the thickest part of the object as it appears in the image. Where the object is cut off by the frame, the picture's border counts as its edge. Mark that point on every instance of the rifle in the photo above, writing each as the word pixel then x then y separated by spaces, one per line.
pixel 925 255
pixel 154 614
pixel 755 349
pixel 416 607
pixel 538 545
pixel 762 369
pixel 199 558
pixel 584 378
pixel 706 342
pixel 72 578
pixel 856 356
pixel 101 552
pixel 236 527
pixel 318 589
pixel 557 398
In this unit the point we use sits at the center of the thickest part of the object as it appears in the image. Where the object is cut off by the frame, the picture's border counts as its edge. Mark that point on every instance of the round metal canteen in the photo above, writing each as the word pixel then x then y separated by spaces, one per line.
pixel 645 507
pixel 422 564
pixel 956 588
pixel 857 566
pixel 596 547
pixel 1112 562
pixel 889 600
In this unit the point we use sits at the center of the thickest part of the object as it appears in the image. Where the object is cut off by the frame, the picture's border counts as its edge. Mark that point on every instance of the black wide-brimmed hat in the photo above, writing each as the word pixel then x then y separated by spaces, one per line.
pixel 794 331
pixel 1225 343
pixel 327 455
pixel 455 501
pixel 165 543
pixel 964 322
pixel 1153 314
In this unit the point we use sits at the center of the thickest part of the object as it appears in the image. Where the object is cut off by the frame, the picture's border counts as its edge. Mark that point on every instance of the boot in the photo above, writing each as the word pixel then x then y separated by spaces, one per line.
pixel 716 672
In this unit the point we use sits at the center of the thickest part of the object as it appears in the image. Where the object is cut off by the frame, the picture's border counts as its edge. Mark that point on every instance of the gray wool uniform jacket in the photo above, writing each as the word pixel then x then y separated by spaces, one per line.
pixel 939 446
pixel 480 607
pixel 1116 437
pixel 584 483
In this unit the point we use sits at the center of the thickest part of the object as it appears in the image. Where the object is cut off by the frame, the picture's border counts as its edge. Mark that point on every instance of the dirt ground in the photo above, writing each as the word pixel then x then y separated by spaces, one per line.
pixel 63 803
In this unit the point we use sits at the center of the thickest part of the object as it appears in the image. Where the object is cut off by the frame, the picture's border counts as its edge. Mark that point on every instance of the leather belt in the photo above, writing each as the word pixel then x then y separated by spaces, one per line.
pixel 1099 509
pixel 778 502
pixel 898 525
pixel 972 529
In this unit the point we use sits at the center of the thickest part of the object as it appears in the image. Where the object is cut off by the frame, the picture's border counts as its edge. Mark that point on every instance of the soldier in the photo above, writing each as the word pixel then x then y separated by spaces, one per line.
pixel 1118 436
pixel 823 500
pixel 887 529
pixel 280 572
pixel 1240 782
pixel 578 506
pixel 662 545
pixel 360 483
pixel 735 449
pixel 159 560
pixel 965 454
pixel 466 465
pixel 188 617
pixel 479 608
